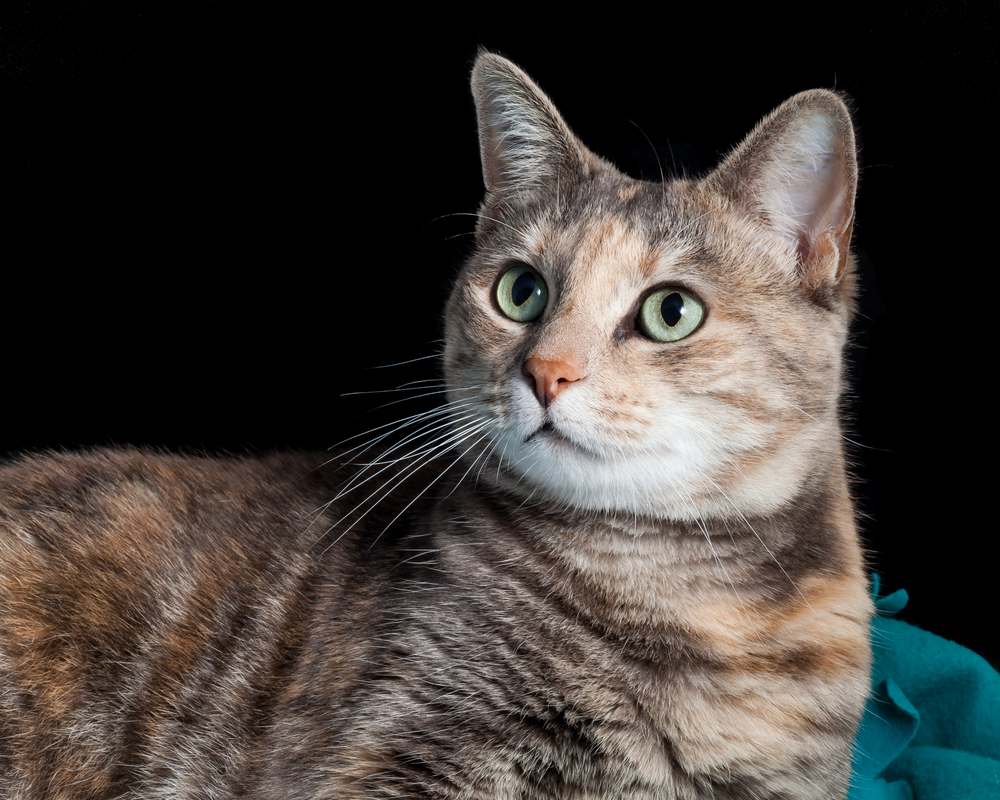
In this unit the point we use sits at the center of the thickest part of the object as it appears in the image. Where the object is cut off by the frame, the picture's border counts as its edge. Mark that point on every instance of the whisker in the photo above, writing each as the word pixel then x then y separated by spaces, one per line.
pixel 763 544
pixel 715 554
pixel 421 447
pixel 422 380
pixel 494 442
pixel 471 467
pixel 391 391
pixel 430 394
pixel 481 216
pixel 410 471
pixel 428 486
pixel 842 436
pixel 387 424
pixel 415 419
pixel 659 164
pixel 353 483
pixel 418 434
pixel 408 361
pixel 502 454
pixel 449 439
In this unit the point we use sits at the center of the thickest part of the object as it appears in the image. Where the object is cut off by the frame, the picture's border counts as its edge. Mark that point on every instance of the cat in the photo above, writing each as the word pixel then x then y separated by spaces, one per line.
pixel 648 585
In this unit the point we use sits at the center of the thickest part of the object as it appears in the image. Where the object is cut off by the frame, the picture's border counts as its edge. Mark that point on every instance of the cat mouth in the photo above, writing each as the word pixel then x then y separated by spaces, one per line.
pixel 547 430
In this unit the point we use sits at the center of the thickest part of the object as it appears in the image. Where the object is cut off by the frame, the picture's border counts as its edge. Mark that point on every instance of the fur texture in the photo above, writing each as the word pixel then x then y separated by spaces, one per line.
pixel 649 588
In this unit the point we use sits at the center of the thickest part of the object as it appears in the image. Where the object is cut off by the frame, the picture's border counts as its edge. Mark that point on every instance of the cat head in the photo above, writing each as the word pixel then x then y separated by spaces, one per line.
pixel 668 349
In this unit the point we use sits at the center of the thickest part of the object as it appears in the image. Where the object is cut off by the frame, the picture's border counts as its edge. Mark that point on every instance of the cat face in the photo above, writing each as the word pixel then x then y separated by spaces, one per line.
pixel 666 349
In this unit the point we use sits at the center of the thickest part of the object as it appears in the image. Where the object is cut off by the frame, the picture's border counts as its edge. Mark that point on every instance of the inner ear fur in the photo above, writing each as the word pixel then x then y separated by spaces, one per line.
pixel 797 173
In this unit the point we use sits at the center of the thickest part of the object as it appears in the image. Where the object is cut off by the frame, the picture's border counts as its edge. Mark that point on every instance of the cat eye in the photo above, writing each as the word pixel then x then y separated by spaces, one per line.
pixel 522 294
pixel 669 315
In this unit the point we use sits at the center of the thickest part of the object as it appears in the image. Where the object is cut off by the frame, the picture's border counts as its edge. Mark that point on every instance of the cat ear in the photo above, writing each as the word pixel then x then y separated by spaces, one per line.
pixel 523 141
pixel 797 172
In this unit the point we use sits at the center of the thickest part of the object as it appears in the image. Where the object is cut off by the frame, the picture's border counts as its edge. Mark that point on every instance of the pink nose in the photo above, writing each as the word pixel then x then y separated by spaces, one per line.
pixel 550 377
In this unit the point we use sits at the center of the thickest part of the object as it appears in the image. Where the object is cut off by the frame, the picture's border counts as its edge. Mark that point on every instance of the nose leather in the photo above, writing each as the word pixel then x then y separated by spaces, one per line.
pixel 551 376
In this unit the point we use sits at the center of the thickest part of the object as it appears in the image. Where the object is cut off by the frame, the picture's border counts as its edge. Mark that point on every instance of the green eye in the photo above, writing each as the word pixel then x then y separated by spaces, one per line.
pixel 522 293
pixel 669 315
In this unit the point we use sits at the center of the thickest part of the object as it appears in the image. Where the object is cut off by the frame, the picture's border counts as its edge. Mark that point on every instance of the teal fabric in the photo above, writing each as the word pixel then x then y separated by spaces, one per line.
pixel 931 728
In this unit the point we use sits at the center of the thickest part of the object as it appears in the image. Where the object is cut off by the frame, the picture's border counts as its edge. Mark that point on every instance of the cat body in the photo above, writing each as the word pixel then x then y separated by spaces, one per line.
pixel 171 629
pixel 632 570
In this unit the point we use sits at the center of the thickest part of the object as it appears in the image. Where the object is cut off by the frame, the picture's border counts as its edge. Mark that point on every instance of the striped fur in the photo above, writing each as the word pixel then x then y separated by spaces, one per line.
pixel 667 602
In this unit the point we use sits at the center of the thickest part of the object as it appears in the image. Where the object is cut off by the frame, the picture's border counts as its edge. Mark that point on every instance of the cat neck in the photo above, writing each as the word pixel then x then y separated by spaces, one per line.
pixel 627 571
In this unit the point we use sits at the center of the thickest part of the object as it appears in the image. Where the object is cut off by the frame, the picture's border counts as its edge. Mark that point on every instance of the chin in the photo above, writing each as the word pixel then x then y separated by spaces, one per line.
pixel 686 481
pixel 577 476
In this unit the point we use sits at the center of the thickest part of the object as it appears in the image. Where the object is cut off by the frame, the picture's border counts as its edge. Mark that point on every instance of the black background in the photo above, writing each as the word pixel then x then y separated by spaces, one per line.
pixel 215 224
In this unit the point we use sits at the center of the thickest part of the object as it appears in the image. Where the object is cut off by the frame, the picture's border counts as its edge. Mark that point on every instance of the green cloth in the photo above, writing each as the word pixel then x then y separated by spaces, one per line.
pixel 931 728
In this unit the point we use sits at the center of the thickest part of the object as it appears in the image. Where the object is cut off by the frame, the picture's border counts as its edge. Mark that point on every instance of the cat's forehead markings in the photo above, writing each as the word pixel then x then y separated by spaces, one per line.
pixel 609 244
pixel 535 235
pixel 609 241
pixel 670 259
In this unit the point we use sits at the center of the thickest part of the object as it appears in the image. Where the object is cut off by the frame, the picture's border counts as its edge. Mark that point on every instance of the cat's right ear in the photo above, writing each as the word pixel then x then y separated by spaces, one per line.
pixel 523 141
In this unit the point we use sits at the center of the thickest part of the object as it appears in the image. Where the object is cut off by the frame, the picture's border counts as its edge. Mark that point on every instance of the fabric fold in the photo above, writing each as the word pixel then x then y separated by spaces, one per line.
pixel 931 727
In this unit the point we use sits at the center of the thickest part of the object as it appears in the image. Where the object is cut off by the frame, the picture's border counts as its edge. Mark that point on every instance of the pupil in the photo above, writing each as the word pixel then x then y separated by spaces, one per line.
pixel 523 288
pixel 672 309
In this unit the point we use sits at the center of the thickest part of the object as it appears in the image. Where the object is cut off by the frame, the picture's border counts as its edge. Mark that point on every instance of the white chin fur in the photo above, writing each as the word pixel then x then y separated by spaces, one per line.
pixel 674 474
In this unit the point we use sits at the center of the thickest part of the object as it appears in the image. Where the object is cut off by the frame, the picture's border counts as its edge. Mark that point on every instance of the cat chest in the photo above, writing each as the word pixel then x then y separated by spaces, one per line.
pixel 672 736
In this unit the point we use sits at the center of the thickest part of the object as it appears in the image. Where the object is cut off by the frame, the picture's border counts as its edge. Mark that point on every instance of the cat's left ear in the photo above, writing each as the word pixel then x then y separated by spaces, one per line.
pixel 797 172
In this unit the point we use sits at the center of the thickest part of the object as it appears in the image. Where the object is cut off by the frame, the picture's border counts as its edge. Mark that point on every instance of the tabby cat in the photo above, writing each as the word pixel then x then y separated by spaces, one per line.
pixel 620 561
